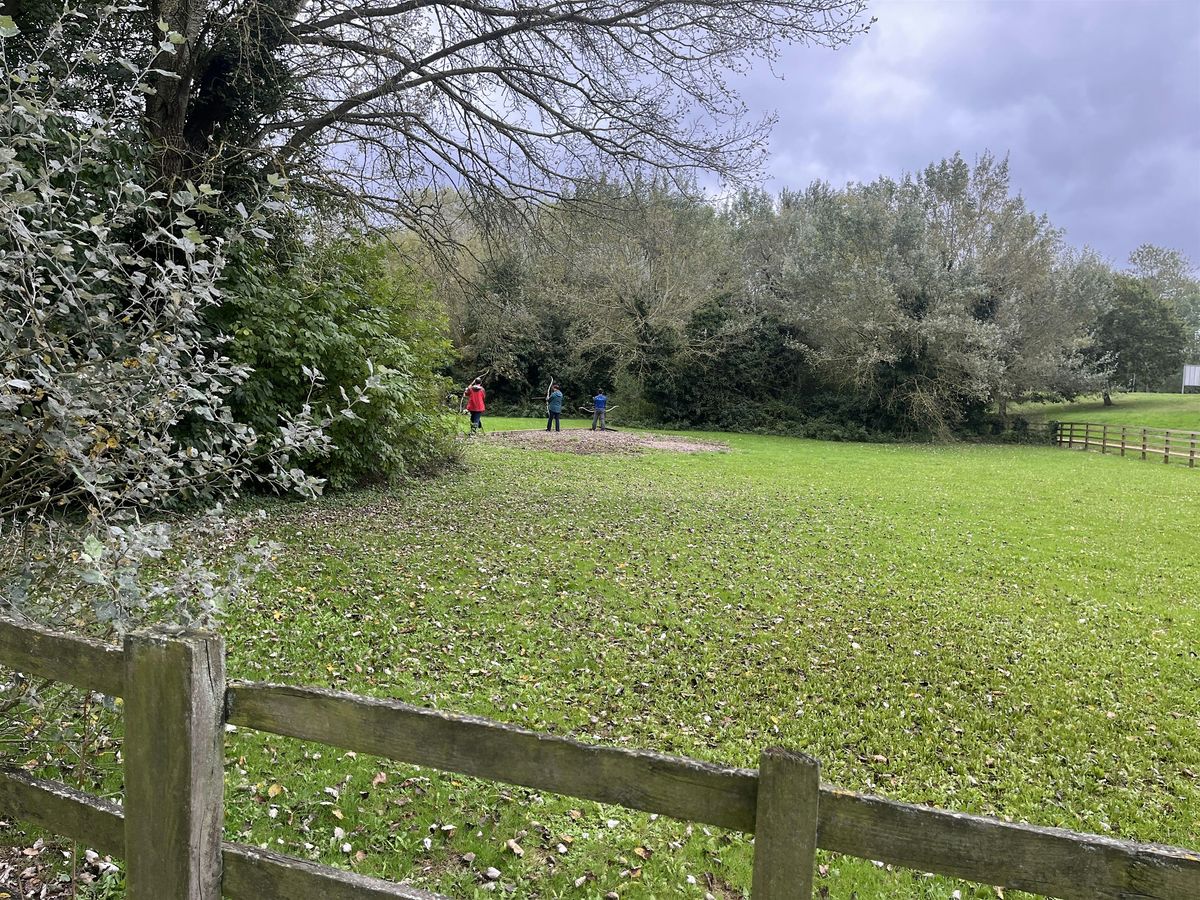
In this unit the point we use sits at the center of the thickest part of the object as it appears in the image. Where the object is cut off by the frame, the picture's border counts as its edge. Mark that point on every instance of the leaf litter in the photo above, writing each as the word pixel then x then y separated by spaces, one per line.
pixel 585 441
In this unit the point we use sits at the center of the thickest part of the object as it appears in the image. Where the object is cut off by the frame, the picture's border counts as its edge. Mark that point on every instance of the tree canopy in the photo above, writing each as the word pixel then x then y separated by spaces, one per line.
pixel 385 103
pixel 909 305
pixel 1143 333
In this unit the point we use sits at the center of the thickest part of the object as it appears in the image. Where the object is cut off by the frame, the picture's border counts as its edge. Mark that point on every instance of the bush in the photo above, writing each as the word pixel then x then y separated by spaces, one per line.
pixel 996 429
pixel 114 402
pixel 345 309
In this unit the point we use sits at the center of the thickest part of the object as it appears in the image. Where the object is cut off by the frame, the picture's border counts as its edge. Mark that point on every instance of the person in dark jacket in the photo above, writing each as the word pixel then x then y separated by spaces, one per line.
pixel 554 402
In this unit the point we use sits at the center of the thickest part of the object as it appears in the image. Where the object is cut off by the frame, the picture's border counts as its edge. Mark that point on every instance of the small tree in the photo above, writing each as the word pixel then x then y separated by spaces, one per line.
pixel 1172 276
pixel 1144 335
pixel 631 280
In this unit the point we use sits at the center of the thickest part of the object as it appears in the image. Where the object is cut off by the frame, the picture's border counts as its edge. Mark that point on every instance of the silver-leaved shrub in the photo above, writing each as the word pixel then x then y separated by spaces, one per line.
pixel 105 276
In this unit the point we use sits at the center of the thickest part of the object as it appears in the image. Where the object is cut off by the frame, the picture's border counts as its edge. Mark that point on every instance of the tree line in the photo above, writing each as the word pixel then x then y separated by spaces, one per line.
pixel 924 304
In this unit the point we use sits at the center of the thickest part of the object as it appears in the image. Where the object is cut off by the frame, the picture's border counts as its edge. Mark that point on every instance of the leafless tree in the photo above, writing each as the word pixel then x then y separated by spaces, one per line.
pixel 390 103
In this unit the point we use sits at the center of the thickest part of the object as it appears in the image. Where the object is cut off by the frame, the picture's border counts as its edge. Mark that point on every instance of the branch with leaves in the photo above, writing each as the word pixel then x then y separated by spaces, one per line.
pixel 114 396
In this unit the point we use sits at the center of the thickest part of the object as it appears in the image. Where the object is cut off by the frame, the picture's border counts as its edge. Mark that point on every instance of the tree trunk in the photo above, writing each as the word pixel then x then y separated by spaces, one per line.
pixel 1107 398
pixel 166 109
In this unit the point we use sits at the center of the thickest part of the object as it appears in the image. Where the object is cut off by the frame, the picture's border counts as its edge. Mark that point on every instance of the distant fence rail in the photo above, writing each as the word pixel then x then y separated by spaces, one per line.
pixel 168 830
pixel 1166 444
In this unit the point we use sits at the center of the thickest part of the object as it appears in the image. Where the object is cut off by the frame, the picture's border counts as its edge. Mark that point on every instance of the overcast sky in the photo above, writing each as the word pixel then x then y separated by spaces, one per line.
pixel 1097 103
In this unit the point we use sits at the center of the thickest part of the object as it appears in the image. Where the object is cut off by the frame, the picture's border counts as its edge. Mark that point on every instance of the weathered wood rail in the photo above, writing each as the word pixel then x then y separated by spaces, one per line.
pixel 169 829
pixel 1152 443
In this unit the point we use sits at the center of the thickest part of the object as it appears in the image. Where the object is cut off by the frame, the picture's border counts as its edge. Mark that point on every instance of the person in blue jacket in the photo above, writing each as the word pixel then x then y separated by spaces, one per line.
pixel 599 405
pixel 554 402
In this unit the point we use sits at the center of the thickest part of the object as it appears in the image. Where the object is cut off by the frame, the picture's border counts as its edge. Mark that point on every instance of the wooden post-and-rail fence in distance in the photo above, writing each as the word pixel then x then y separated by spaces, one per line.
pixel 1169 443
pixel 177 702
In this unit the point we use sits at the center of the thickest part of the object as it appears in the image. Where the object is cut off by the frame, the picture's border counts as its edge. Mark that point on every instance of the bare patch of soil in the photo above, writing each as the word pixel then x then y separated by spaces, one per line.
pixel 584 440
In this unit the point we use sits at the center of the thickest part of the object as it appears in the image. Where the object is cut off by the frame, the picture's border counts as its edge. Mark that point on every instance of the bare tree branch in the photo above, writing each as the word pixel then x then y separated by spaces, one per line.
pixel 499 100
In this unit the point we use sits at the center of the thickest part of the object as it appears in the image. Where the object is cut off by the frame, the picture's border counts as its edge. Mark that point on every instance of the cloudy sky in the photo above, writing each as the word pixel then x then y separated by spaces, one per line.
pixel 1097 103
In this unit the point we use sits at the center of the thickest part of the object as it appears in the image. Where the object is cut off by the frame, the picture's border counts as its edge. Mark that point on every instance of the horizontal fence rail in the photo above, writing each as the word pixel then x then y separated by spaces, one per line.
pixel 85 663
pixel 775 801
pixel 1166 444
pixel 469 745
pixel 249 873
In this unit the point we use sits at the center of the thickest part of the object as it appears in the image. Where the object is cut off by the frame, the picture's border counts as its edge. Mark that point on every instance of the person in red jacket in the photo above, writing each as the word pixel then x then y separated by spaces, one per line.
pixel 475 406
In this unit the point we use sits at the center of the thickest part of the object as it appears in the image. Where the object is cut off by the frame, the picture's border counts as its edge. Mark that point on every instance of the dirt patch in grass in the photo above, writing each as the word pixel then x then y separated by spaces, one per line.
pixel 584 440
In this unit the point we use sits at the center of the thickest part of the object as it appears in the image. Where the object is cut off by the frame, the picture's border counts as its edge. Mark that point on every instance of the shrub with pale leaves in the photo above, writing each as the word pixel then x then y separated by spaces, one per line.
pixel 104 277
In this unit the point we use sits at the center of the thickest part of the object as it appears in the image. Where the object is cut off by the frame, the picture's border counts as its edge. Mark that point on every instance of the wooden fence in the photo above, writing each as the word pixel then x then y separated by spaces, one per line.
pixel 1152 443
pixel 169 829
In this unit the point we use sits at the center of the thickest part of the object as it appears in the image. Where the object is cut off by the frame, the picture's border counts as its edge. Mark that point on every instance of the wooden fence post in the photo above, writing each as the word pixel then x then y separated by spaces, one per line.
pixel 1167 447
pixel 1143 443
pixel 1122 440
pixel 1104 439
pixel 174 765
pixel 785 827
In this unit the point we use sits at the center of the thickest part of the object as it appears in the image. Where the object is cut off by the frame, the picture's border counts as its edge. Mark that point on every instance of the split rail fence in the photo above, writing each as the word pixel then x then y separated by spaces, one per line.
pixel 1152 443
pixel 169 828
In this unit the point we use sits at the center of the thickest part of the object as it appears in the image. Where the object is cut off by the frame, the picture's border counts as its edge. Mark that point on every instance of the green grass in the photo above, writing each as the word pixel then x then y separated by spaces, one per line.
pixel 1010 631
pixel 1150 410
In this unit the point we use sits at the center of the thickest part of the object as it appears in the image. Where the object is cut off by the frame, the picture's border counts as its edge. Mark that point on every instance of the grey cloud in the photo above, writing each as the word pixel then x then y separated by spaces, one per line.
pixel 1097 105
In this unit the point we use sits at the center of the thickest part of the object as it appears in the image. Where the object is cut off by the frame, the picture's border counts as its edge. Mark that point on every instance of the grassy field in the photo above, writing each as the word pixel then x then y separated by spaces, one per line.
pixel 1003 630
pixel 1152 410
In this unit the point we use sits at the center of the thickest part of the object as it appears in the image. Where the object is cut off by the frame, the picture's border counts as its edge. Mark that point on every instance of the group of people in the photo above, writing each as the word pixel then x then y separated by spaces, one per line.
pixel 475 397
pixel 554 402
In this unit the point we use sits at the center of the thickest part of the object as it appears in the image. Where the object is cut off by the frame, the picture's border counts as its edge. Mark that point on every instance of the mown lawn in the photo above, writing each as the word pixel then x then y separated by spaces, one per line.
pixel 1010 631
pixel 1003 630
pixel 1151 410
